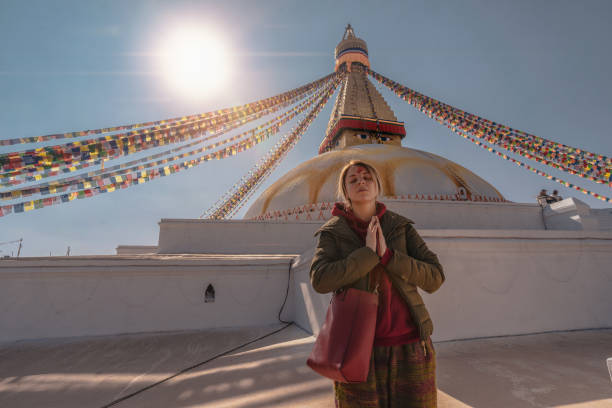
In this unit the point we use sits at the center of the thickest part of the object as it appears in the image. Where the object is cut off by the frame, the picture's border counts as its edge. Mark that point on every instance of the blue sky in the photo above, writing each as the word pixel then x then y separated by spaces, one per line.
pixel 539 66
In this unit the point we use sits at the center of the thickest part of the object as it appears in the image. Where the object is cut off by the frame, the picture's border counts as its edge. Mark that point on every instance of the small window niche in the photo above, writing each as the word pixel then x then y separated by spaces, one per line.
pixel 209 294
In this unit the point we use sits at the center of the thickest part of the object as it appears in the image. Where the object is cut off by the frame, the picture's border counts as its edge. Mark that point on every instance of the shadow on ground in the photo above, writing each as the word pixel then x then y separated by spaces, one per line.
pixel 555 369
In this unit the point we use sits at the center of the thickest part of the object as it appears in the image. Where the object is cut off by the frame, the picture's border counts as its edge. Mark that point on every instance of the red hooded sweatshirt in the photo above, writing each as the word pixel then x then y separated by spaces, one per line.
pixel 394 325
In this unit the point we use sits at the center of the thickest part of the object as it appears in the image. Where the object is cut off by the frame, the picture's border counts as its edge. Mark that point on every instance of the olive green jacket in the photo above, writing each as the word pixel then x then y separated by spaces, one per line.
pixel 341 261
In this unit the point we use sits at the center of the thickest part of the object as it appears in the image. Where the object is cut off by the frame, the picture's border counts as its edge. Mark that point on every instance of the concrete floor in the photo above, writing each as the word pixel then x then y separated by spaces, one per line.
pixel 566 369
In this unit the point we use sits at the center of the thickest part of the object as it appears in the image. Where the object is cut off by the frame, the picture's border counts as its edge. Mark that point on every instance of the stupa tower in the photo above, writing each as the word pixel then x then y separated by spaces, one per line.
pixel 360 114
pixel 363 127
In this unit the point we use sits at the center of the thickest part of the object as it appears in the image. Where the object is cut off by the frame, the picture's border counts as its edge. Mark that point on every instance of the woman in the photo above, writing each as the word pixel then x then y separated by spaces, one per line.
pixel 363 238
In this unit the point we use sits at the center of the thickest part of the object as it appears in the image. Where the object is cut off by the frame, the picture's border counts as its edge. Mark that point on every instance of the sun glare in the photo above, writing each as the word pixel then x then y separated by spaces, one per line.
pixel 195 62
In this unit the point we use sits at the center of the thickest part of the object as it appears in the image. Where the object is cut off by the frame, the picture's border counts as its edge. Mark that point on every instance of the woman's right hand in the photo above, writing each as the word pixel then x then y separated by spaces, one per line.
pixel 372 235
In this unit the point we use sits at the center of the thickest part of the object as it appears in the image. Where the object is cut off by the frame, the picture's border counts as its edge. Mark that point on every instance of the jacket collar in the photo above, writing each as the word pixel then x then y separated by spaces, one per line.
pixel 339 226
pixel 353 221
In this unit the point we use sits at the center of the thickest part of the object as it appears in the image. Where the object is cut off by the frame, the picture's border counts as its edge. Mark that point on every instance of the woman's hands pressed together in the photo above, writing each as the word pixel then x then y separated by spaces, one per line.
pixel 382 244
pixel 372 234
pixel 375 240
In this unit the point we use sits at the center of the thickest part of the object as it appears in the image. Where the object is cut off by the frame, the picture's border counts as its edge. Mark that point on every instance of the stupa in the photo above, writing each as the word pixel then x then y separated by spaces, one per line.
pixel 363 126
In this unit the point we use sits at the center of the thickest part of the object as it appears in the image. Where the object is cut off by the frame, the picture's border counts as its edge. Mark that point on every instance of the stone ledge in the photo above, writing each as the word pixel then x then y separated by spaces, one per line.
pixel 147 261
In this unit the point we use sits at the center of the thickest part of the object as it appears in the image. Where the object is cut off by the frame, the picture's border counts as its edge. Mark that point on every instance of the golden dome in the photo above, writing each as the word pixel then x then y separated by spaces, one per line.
pixel 405 173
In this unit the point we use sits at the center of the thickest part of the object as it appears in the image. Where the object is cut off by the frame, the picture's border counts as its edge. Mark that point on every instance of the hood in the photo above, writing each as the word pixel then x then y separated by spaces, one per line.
pixel 339 226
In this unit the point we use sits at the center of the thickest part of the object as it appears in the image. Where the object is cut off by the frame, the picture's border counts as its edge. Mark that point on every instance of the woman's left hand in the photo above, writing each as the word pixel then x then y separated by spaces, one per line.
pixel 382 244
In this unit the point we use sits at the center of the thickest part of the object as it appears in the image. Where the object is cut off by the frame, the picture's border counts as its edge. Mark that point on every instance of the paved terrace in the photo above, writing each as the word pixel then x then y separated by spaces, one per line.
pixel 561 369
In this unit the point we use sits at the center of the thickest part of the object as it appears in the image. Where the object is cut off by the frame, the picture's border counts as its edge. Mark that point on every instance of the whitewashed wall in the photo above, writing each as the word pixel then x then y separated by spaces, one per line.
pixel 83 296
pixel 469 215
pixel 502 283
pixel 498 283
pixel 295 236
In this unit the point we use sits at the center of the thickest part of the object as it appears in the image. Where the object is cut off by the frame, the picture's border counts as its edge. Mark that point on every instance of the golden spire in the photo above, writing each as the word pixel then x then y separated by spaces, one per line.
pixel 360 114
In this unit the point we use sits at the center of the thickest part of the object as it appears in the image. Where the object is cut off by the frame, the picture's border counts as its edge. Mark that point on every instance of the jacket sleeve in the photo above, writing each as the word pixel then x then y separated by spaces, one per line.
pixel 421 268
pixel 329 272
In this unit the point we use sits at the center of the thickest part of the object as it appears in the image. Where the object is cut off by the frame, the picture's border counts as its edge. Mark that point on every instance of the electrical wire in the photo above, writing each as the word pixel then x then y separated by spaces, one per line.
pixel 184 370
pixel 286 295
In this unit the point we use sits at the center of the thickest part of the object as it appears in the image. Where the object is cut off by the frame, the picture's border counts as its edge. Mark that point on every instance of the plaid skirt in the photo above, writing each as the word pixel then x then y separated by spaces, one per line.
pixel 399 376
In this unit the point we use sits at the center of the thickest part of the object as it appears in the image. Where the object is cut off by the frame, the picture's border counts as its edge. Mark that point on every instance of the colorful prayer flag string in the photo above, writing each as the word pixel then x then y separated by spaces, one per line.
pixel 219 131
pixel 248 184
pixel 447 115
pixel 208 115
pixel 100 177
pixel 407 93
pixel 528 167
pixel 138 177
pixel 575 161
pixel 112 146
pixel 586 169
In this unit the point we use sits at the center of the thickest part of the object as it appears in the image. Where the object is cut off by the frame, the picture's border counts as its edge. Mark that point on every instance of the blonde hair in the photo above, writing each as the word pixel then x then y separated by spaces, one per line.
pixel 341 193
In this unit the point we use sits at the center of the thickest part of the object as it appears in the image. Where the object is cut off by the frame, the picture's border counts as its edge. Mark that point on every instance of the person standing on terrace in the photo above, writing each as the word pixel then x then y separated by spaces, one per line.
pixel 364 238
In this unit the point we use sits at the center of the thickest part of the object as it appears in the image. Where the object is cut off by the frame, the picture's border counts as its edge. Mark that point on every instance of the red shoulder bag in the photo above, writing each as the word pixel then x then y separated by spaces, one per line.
pixel 343 347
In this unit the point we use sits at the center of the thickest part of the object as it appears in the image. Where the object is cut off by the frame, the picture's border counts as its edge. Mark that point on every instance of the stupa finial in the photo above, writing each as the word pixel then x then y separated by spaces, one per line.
pixel 348 32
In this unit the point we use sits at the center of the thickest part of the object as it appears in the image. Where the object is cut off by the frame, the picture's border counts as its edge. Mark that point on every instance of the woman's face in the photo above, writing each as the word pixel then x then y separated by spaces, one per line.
pixel 360 185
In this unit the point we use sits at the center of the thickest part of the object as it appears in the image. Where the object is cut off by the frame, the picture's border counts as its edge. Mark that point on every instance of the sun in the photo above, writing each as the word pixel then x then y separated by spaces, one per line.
pixel 195 62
